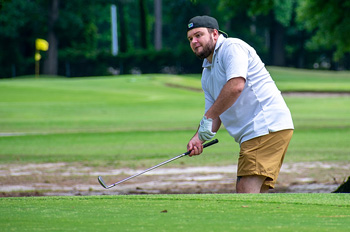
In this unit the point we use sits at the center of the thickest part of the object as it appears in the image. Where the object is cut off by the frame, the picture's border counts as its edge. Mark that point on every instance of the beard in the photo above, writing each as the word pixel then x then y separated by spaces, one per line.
pixel 207 50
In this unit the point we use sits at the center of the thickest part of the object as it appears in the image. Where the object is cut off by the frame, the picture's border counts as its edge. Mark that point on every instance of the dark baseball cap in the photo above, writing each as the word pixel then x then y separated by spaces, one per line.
pixel 204 21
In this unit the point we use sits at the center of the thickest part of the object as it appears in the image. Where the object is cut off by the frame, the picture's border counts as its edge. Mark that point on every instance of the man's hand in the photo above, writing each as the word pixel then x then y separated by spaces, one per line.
pixel 205 129
pixel 195 146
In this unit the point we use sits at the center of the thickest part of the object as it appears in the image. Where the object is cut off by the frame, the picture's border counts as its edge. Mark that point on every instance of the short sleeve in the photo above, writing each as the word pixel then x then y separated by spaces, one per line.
pixel 235 61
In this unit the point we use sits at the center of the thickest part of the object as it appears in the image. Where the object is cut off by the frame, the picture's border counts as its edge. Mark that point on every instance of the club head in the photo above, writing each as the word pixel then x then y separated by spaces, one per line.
pixel 102 182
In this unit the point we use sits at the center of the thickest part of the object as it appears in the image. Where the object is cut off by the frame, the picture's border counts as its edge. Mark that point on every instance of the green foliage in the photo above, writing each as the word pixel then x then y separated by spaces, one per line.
pixel 282 9
pixel 83 32
pixel 145 61
pixel 252 8
pixel 19 28
pixel 25 12
pixel 330 20
pixel 81 28
pixel 2 3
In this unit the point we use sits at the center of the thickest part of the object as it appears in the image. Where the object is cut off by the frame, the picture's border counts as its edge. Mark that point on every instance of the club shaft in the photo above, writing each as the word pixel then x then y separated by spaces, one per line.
pixel 154 167
pixel 147 170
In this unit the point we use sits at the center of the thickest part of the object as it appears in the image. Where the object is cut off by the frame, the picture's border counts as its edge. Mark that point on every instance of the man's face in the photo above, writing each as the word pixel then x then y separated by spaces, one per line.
pixel 202 42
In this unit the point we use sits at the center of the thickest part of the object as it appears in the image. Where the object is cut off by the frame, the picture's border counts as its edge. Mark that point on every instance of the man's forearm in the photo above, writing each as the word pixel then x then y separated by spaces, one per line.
pixel 216 124
pixel 227 97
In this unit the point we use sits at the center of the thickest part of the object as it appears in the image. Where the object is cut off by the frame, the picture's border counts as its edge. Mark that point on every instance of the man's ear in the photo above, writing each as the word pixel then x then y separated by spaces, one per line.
pixel 215 34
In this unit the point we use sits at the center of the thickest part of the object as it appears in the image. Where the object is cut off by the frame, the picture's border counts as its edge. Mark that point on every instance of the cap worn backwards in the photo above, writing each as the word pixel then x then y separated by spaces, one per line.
pixel 204 21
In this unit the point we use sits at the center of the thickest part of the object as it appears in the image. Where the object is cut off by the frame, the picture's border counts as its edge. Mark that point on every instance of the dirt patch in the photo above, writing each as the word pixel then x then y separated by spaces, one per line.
pixel 172 85
pixel 76 179
pixel 316 94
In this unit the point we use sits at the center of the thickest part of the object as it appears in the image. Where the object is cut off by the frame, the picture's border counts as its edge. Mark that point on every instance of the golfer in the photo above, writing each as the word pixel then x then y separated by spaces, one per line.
pixel 240 93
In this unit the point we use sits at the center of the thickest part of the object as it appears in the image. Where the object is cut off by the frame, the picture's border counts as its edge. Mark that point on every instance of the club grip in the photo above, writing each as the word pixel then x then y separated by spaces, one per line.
pixel 210 143
pixel 206 145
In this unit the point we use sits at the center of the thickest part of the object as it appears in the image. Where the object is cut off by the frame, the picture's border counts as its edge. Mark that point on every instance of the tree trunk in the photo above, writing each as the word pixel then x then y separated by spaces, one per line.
pixel 277 46
pixel 123 29
pixel 158 24
pixel 51 63
pixel 143 24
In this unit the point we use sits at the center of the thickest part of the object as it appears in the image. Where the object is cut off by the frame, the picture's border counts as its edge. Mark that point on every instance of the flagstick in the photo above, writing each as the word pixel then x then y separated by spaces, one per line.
pixel 37 67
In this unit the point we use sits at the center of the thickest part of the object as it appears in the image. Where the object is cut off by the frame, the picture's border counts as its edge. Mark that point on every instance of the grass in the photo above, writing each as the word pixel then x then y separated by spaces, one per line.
pixel 150 118
pixel 94 104
pixel 220 212
pixel 138 121
pixel 299 80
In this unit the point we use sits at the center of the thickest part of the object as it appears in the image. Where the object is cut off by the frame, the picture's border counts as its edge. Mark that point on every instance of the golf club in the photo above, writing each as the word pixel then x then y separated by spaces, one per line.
pixel 154 167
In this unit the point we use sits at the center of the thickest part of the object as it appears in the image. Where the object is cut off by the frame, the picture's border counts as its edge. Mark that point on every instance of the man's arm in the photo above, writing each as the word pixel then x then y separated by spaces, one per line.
pixel 227 97
pixel 216 125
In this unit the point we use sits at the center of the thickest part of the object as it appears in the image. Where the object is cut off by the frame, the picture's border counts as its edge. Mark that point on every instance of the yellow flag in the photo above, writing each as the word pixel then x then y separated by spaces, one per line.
pixel 37 56
pixel 41 45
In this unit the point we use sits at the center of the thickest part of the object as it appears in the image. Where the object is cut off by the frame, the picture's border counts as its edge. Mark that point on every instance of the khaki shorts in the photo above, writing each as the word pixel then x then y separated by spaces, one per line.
pixel 264 155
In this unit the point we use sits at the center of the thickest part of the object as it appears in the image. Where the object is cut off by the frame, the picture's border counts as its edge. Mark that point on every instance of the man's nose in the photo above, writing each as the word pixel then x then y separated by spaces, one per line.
pixel 194 40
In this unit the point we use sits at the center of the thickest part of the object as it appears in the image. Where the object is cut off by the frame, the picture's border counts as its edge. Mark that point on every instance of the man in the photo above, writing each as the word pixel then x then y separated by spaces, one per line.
pixel 240 93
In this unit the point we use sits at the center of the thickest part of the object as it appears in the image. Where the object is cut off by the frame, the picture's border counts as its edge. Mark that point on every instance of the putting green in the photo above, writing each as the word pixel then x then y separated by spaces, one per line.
pixel 210 212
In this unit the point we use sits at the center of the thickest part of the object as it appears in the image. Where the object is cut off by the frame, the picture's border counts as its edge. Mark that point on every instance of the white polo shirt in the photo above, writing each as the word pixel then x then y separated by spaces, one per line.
pixel 260 108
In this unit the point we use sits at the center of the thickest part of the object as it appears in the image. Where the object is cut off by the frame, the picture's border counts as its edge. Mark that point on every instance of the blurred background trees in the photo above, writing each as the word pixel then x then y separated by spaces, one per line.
pixel 152 34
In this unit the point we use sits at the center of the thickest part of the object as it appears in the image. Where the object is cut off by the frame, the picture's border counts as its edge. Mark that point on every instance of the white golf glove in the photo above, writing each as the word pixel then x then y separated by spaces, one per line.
pixel 204 131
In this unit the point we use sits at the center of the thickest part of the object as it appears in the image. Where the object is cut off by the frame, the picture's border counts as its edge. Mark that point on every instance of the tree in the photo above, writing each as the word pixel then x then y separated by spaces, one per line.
pixel 51 63
pixel 158 24
pixel 2 2
pixel 330 20
pixel 143 24
pixel 21 22
pixel 79 31
pixel 278 13
pixel 122 27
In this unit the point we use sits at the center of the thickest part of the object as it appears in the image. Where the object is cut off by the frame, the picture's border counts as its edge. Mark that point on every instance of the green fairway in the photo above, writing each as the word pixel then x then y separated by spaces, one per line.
pixel 149 118
pixel 300 80
pixel 242 212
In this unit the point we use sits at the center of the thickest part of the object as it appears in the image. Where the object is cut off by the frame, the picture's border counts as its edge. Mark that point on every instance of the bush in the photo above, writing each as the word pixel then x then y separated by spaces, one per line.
pixel 140 61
